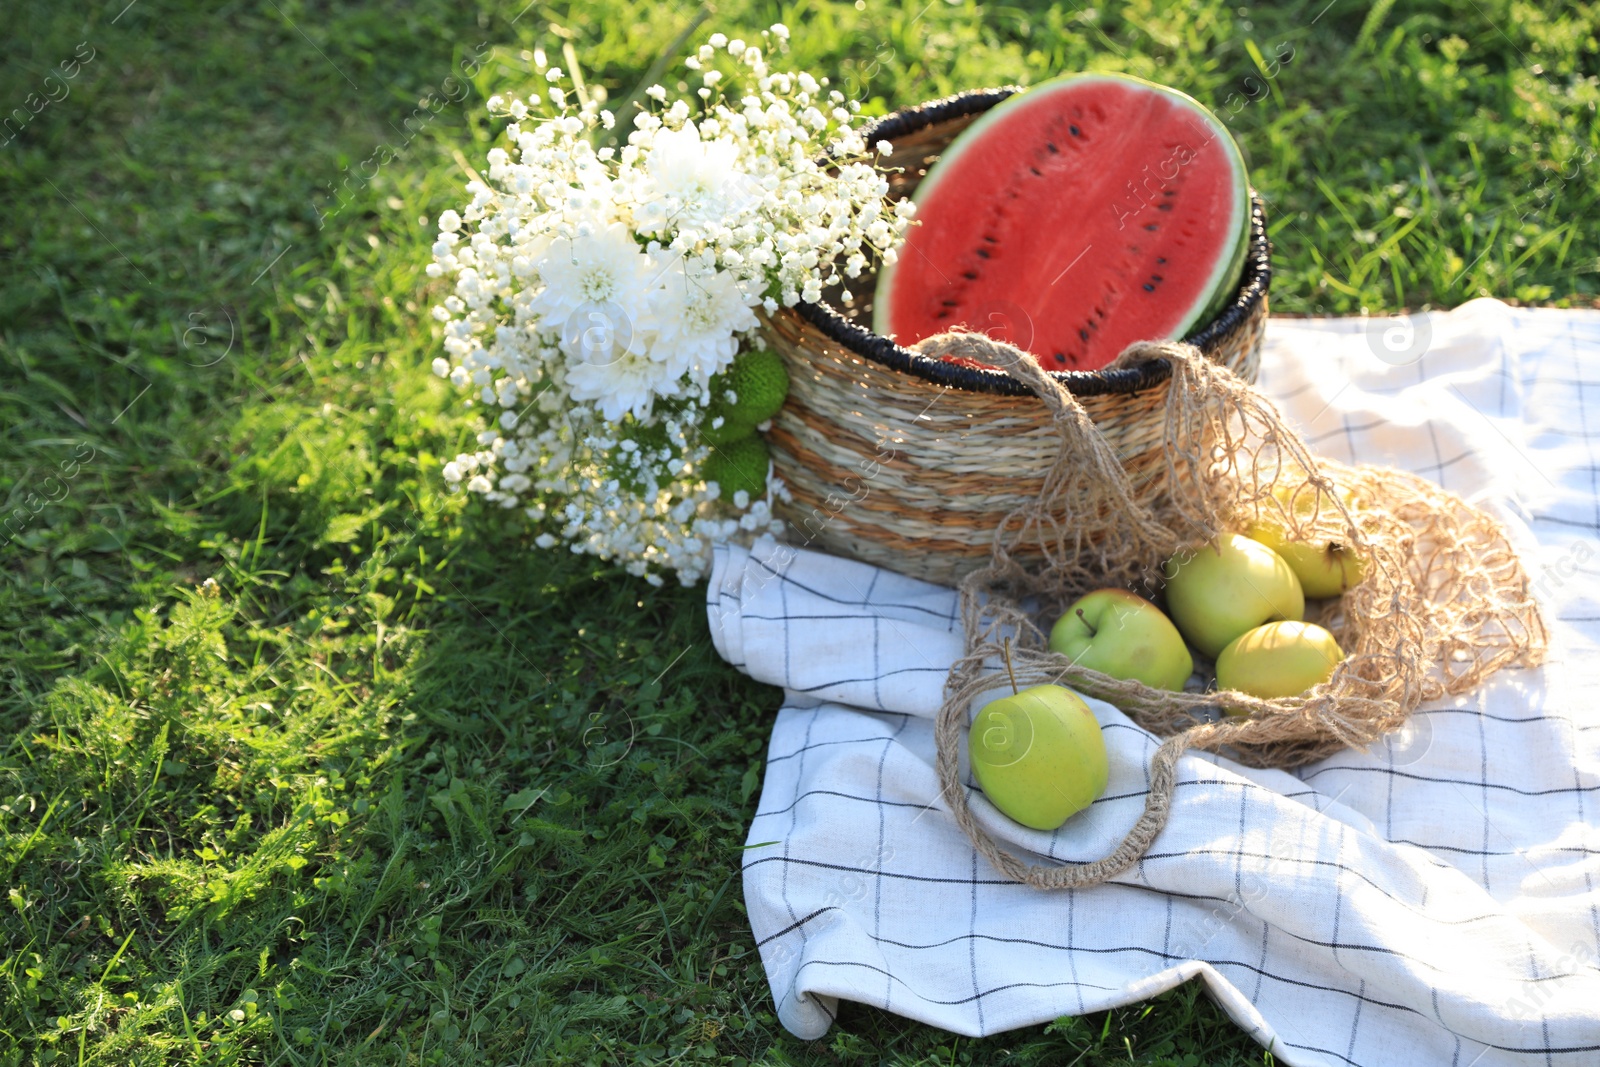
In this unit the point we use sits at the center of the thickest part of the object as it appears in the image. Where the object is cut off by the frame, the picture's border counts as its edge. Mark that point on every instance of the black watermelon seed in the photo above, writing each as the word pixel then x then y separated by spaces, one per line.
pixel 970 275
pixel 1161 259
pixel 1083 334
pixel 1074 131
pixel 1156 278
pixel 1052 146
pixel 1152 226
pixel 983 253
pixel 991 240
pixel 950 303
pixel 1037 171
pixel 1149 288
pixel 1163 207
pixel 1061 359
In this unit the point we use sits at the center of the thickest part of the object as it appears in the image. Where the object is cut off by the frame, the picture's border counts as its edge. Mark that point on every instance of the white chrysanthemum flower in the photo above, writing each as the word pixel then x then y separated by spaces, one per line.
pixel 624 380
pixel 698 311
pixel 699 180
pixel 601 265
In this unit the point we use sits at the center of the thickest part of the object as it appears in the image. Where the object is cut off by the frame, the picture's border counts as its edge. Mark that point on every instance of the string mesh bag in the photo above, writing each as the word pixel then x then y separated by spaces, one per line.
pixel 1443 603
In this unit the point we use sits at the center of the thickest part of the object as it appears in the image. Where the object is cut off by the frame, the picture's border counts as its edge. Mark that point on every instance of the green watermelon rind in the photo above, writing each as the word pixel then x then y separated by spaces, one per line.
pixel 1228 289
pixel 1226 272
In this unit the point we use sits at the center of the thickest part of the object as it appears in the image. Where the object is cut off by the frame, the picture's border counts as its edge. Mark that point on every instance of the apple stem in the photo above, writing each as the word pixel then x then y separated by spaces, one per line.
pixel 1009 671
pixel 1086 622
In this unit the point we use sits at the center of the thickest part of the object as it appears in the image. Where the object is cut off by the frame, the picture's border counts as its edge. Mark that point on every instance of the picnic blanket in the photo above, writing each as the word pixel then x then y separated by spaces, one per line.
pixel 1435 900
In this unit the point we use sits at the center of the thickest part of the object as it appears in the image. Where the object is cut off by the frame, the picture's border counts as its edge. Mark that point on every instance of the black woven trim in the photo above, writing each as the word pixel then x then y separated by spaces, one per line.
pixel 911 119
pixel 1253 288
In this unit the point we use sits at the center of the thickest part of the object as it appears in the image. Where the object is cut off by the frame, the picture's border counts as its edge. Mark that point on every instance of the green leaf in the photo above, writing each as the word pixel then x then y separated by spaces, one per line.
pixel 750 782
pixel 522 800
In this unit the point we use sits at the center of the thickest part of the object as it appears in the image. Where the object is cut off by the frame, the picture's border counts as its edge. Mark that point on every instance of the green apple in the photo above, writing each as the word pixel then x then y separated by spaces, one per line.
pixel 1215 594
pixel 1038 755
pixel 1326 566
pixel 1117 633
pixel 1280 659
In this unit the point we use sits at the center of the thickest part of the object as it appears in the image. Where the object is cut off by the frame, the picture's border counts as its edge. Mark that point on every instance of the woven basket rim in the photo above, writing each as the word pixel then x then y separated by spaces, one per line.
pixel 1253 287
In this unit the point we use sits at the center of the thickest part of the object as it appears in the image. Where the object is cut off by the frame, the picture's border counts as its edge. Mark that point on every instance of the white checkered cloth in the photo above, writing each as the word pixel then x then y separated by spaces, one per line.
pixel 1434 901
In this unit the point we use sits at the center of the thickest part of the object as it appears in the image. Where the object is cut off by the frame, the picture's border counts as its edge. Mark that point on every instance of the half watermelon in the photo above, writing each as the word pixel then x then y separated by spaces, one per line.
pixel 1072 220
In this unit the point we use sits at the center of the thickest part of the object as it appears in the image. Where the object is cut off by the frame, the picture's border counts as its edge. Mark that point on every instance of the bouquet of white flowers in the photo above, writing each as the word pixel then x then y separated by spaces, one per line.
pixel 603 294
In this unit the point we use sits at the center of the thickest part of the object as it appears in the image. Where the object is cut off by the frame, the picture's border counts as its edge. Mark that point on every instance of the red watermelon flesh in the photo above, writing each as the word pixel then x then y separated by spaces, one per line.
pixel 1072 220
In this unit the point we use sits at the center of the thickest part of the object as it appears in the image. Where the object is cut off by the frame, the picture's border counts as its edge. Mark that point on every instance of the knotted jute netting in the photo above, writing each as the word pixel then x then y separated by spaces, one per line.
pixel 1443 604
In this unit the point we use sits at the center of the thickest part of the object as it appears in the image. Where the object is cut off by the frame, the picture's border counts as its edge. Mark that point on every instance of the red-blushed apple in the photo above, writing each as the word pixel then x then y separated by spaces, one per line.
pixel 1279 659
pixel 1038 755
pixel 1215 594
pixel 1121 634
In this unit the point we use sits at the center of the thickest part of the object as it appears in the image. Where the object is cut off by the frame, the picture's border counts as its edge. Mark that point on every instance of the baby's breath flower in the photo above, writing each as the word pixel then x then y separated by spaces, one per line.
pixel 599 291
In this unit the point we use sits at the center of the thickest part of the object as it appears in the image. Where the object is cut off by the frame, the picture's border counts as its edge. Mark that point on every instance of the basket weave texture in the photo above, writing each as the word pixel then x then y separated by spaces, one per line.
pixel 912 463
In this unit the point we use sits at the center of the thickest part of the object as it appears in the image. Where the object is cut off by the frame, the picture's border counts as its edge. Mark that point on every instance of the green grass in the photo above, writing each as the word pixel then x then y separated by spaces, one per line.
pixel 303 761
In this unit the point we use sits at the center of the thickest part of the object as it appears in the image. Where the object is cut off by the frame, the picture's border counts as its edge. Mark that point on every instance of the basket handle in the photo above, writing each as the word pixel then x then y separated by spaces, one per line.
pixel 1088 473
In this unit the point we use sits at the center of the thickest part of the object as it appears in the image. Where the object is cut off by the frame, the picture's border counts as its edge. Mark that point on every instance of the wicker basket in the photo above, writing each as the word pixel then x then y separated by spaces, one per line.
pixel 911 463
